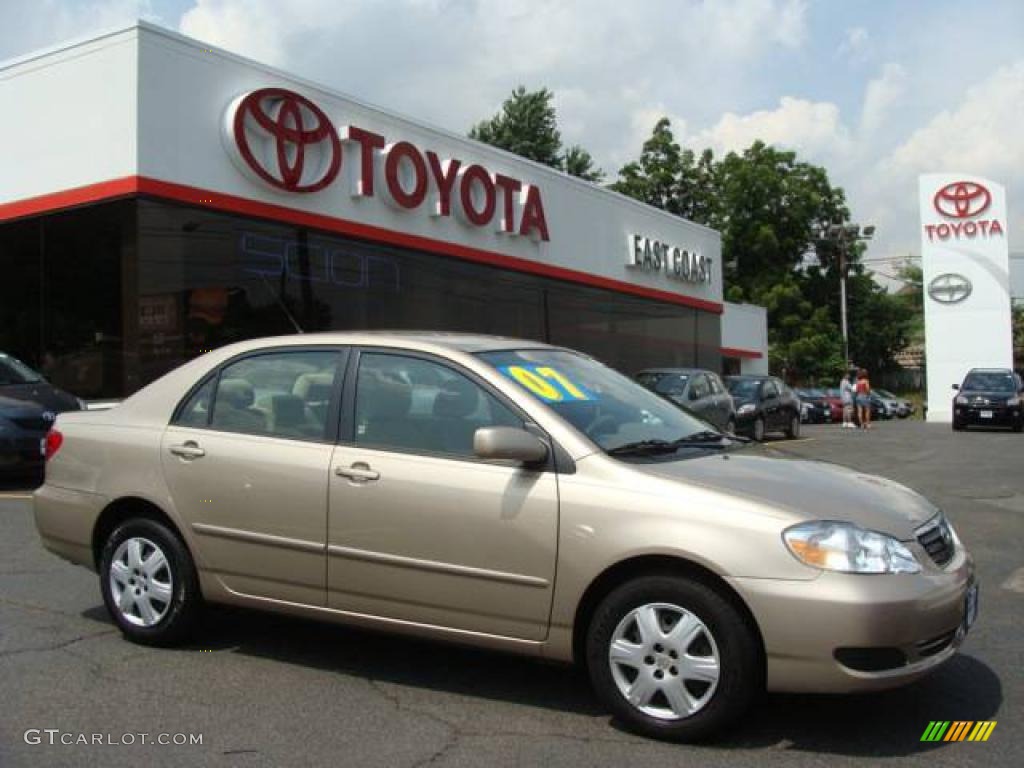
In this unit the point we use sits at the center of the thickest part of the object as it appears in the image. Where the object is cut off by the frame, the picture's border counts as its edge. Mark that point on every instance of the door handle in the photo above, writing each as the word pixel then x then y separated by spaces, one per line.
pixel 188 450
pixel 359 472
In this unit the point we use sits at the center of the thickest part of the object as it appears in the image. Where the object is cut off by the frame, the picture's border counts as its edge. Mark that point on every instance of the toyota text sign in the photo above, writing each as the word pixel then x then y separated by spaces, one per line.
pixel 284 140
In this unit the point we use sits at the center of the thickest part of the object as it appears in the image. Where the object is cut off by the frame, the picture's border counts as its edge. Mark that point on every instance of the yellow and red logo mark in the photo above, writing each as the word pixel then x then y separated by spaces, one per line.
pixel 958 730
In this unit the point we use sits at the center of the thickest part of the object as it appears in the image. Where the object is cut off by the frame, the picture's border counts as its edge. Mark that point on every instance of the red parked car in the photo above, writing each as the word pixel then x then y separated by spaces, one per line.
pixel 835 402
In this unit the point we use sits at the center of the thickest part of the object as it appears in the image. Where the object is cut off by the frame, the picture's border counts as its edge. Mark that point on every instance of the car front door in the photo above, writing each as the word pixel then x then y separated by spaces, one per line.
pixel 771 405
pixel 247 459
pixel 699 397
pixel 419 528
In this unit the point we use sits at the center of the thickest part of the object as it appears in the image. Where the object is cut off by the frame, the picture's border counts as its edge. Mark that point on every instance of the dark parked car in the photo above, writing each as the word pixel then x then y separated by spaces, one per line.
pixel 814 406
pixel 28 406
pixel 989 397
pixel 764 404
pixel 697 390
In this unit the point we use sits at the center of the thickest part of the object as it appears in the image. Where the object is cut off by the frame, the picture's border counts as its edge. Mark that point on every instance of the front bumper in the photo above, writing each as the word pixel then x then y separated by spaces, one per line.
pixel 888 630
pixel 1000 415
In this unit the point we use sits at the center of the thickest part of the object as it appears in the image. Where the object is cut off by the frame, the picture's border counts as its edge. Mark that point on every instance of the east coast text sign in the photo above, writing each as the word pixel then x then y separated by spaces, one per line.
pixel 282 139
pixel 965 265
pixel 677 263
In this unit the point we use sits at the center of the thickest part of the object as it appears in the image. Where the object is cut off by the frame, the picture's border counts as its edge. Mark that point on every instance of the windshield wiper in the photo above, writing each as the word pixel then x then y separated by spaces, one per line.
pixel 704 439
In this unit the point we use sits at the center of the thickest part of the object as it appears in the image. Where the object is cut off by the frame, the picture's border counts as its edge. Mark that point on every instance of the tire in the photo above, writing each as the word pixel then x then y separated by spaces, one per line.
pixel 793 430
pixel 957 426
pixel 758 429
pixel 1019 426
pixel 166 597
pixel 723 653
pixel 730 426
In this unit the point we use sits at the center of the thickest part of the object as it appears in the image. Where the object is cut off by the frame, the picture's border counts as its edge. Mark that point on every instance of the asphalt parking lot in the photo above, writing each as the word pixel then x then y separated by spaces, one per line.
pixel 270 691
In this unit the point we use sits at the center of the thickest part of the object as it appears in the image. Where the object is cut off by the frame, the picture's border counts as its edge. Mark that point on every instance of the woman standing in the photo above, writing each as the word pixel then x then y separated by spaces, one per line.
pixel 864 399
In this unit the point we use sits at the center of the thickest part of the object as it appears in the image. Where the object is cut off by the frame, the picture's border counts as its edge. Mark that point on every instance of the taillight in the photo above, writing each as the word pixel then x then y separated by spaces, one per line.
pixel 54 440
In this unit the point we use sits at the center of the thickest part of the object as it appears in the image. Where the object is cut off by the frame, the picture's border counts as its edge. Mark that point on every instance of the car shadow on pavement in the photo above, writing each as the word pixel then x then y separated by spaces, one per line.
pixel 884 724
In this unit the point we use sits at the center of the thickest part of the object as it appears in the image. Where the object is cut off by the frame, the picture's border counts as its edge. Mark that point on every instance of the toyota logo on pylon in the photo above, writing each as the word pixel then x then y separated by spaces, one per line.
pixel 284 139
pixel 962 199
pixel 949 288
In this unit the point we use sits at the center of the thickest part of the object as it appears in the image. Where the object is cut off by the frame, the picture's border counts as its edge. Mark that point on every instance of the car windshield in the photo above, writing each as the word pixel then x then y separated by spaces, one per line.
pixel 612 410
pixel 667 383
pixel 991 381
pixel 885 393
pixel 13 371
pixel 743 387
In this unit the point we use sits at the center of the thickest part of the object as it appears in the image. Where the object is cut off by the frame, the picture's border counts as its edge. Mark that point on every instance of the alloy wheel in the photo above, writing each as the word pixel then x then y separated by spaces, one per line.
pixel 141 582
pixel 664 661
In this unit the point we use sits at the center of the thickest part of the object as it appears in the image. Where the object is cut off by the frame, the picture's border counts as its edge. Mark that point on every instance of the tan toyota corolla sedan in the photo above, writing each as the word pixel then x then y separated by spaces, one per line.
pixel 505 494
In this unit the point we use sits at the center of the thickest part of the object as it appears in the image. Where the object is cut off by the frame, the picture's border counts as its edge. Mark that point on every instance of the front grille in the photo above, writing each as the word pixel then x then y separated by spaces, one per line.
pixel 936 645
pixel 937 540
pixel 33 423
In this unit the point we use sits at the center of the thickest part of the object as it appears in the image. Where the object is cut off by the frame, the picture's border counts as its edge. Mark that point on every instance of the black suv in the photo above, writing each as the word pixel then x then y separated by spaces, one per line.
pixel 695 389
pixel 989 397
pixel 764 404
pixel 28 406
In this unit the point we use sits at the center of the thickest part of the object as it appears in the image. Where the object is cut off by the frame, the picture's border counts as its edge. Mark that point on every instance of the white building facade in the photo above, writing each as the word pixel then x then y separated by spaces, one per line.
pixel 159 198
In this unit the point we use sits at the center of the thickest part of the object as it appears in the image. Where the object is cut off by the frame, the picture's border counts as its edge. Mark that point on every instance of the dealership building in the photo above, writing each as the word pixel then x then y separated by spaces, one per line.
pixel 159 198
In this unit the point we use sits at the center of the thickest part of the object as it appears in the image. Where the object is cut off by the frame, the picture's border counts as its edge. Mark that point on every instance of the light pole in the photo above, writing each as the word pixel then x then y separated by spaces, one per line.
pixel 843 235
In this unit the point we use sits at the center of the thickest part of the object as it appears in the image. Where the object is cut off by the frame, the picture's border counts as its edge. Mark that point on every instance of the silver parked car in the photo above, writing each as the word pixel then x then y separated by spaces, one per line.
pixel 510 495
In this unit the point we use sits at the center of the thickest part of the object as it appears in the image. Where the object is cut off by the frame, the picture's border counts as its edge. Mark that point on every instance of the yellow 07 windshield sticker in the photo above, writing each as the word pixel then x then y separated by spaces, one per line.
pixel 547 383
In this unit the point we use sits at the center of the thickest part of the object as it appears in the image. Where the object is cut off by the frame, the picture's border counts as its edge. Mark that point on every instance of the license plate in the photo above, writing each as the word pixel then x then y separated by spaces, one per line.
pixel 986 414
pixel 971 606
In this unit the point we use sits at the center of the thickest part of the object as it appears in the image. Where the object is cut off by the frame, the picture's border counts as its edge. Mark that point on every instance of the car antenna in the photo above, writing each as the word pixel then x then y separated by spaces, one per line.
pixel 281 304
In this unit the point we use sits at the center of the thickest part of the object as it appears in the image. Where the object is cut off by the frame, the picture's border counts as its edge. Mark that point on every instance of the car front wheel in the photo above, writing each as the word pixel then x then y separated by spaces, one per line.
pixel 759 429
pixel 672 658
pixel 149 582
pixel 793 430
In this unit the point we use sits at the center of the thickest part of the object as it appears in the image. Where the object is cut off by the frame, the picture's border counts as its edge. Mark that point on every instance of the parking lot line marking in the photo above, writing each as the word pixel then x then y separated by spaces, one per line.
pixel 15 495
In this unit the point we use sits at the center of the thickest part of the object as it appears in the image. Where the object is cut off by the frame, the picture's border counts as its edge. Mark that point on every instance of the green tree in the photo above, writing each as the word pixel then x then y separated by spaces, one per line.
pixel 576 161
pixel 528 126
pixel 671 178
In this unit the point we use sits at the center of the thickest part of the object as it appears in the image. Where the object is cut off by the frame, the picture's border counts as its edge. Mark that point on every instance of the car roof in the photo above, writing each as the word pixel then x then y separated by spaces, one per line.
pixel 989 370
pixel 463 342
pixel 749 377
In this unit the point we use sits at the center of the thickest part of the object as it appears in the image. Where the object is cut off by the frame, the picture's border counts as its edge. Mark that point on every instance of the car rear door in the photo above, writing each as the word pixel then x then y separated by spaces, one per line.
pixel 247 459
pixel 419 528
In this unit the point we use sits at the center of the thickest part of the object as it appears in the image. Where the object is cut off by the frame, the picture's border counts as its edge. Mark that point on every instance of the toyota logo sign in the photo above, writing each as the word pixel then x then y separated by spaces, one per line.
pixel 962 199
pixel 284 139
pixel 949 288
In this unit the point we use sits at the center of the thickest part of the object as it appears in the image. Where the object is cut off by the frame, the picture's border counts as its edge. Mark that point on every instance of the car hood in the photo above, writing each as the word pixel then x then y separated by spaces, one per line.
pixel 991 396
pixel 42 394
pixel 806 490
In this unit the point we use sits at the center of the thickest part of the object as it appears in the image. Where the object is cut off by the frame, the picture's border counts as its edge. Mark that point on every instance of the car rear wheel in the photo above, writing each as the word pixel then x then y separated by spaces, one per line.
pixel 759 429
pixel 149 582
pixel 672 658
pixel 793 430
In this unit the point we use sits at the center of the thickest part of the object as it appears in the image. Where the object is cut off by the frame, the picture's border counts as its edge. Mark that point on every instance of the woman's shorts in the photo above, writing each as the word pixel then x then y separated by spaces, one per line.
pixel 863 401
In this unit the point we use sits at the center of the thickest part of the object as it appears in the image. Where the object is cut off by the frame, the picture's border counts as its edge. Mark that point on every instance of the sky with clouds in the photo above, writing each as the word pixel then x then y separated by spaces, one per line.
pixel 877 92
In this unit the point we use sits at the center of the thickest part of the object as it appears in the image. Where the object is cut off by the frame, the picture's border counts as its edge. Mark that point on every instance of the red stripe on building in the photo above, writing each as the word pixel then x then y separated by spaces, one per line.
pixel 737 352
pixel 204 198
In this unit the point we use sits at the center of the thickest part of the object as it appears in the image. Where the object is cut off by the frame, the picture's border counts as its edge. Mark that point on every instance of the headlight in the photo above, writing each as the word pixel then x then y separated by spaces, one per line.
pixel 1013 401
pixel 834 546
pixel 745 409
pixel 961 400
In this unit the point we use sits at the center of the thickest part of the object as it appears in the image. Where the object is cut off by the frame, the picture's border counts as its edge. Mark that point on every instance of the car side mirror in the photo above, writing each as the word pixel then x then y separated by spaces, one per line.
pixel 509 443
pixel 956 386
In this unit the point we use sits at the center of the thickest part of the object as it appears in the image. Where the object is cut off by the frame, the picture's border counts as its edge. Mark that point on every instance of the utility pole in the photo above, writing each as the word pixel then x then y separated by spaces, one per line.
pixel 842 236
